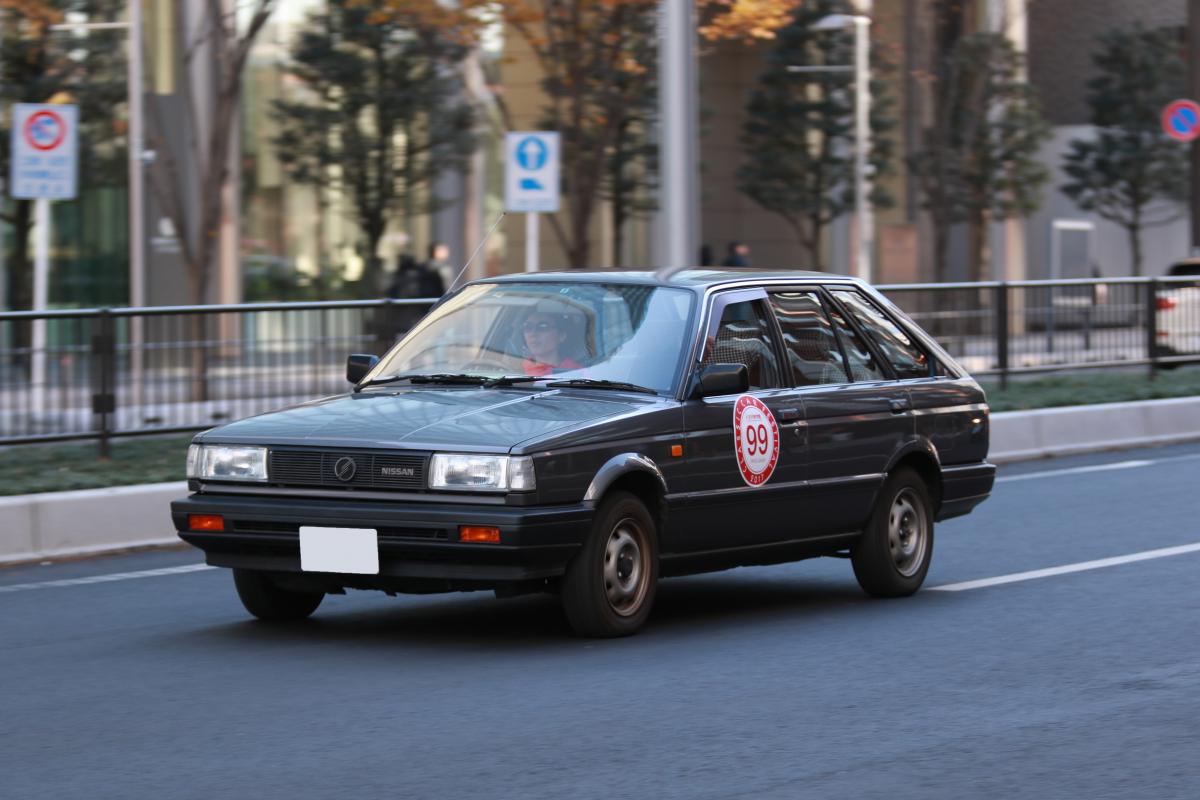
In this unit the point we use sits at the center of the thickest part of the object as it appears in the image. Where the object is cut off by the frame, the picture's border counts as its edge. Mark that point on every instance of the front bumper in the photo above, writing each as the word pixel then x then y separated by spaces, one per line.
pixel 419 548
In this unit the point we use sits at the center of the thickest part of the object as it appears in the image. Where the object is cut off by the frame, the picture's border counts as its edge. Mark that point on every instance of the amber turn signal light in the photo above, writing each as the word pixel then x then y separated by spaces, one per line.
pixel 206 522
pixel 468 533
pixel 677 450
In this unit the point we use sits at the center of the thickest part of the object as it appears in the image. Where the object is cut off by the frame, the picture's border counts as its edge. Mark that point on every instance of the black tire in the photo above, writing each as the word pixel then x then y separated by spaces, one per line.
pixel 609 587
pixel 893 554
pixel 268 602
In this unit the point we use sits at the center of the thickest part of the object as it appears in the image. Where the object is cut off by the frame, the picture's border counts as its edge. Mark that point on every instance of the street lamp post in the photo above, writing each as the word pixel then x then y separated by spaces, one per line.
pixel 863 210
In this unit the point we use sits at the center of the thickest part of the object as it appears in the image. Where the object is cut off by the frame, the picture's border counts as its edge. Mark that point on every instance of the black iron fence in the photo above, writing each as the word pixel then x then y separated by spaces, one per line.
pixel 118 372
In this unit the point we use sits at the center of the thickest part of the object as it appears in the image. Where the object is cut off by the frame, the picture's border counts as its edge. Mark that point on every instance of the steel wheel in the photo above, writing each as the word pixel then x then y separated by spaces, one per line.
pixel 892 556
pixel 908 533
pixel 608 588
pixel 626 574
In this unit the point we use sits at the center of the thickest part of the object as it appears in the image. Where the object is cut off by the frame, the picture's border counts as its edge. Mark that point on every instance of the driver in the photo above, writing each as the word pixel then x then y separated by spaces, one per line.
pixel 544 336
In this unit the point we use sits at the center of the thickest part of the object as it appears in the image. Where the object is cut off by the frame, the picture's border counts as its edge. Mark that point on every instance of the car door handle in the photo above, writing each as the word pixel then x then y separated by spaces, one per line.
pixel 789 414
pixel 899 406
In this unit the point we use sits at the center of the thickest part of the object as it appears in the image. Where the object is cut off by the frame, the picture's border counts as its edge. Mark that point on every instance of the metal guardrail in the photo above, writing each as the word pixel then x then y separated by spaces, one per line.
pixel 100 373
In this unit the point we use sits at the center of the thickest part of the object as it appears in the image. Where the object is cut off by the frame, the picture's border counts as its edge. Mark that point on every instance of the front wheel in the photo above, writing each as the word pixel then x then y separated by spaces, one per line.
pixel 892 556
pixel 265 600
pixel 609 586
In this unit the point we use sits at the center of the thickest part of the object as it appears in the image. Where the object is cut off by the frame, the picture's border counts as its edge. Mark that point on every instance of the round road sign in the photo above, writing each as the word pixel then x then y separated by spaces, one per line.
pixel 1181 120
pixel 756 440
pixel 45 130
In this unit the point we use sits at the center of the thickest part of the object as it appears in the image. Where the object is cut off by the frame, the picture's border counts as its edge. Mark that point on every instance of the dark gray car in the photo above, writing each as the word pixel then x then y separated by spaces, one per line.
pixel 589 433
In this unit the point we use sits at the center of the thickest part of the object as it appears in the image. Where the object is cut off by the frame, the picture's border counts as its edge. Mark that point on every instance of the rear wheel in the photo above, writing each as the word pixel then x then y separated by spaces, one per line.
pixel 893 554
pixel 265 600
pixel 609 586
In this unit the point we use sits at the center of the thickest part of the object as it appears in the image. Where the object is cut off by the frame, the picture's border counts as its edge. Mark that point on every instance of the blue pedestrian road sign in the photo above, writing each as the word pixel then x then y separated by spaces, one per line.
pixel 45 151
pixel 531 169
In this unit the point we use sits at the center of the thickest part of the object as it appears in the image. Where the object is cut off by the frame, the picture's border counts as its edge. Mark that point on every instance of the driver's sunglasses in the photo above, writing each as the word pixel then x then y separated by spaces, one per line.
pixel 538 327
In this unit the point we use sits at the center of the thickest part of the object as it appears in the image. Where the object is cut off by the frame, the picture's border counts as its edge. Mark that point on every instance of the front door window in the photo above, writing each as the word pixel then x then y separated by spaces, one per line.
pixel 744 337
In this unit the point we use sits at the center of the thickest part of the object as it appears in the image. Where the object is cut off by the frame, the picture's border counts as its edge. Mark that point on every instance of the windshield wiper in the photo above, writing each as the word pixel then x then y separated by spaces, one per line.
pixel 437 377
pixel 592 383
pixel 509 380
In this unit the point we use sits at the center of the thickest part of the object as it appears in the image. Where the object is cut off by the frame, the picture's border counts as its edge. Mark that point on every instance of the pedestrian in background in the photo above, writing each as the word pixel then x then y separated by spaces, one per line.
pixel 706 255
pixel 439 264
pixel 739 255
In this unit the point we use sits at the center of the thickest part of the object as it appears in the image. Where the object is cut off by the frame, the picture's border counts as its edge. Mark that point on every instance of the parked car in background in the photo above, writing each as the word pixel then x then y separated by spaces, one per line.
pixel 588 433
pixel 1177 317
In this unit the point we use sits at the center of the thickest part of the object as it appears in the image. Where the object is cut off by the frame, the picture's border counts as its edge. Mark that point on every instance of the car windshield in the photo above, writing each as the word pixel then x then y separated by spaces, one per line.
pixel 626 333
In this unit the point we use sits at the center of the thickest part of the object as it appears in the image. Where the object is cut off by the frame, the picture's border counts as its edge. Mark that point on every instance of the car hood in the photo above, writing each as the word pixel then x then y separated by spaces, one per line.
pixel 429 418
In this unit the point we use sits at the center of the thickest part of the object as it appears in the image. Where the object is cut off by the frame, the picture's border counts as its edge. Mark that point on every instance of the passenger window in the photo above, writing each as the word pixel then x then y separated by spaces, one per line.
pixel 863 366
pixel 906 358
pixel 744 337
pixel 808 337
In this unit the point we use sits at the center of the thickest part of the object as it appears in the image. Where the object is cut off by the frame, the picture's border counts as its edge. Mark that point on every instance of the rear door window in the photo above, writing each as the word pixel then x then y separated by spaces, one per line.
pixel 808 336
pixel 907 359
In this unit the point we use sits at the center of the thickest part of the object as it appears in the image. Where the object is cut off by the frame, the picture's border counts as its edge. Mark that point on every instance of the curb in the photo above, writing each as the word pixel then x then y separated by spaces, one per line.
pixel 1072 430
pixel 52 525
pixel 86 522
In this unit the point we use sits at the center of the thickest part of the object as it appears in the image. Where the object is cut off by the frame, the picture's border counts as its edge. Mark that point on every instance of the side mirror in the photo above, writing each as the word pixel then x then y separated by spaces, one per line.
pixel 717 379
pixel 358 365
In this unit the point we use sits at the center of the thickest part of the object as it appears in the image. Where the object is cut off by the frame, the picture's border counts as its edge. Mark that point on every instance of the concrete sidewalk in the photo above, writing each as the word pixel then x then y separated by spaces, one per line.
pixel 62 524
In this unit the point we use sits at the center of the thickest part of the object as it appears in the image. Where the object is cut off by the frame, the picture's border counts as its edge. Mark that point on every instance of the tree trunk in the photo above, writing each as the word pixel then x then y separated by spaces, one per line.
pixel 941 247
pixel 1135 245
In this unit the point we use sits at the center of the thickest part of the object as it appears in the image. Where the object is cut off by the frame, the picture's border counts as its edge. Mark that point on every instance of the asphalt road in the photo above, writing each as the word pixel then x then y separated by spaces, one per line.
pixel 779 682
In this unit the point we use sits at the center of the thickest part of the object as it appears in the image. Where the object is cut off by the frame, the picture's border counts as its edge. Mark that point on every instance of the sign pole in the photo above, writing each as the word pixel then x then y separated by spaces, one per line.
pixel 531 242
pixel 41 298
pixel 1193 38
pixel 137 202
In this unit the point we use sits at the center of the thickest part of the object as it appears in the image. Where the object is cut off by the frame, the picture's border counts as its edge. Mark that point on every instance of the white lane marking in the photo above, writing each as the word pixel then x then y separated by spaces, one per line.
pixel 1050 473
pixel 1082 566
pixel 116 576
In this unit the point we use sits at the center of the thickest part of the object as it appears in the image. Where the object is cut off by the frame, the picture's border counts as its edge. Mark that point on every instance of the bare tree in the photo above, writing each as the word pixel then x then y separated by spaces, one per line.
pixel 220 44
pixel 189 180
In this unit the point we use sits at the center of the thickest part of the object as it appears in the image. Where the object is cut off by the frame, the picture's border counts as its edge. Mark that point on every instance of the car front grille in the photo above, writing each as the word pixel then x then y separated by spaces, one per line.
pixel 346 469
pixel 292 529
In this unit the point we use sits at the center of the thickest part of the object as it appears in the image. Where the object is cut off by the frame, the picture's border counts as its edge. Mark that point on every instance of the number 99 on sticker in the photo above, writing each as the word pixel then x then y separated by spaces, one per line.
pixel 756 440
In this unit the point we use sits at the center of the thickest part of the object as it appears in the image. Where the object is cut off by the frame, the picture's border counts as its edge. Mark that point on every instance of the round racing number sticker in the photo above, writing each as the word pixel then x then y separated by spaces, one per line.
pixel 756 440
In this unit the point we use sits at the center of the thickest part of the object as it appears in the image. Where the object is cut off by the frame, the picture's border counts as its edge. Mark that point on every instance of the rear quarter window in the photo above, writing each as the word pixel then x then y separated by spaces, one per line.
pixel 907 359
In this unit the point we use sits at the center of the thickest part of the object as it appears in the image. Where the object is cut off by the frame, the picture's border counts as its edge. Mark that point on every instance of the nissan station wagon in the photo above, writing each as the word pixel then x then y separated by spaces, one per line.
pixel 588 433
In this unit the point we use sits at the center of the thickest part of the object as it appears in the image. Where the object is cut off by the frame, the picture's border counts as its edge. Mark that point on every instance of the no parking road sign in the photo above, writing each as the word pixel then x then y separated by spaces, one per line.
pixel 1181 120
pixel 44 151
pixel 531 171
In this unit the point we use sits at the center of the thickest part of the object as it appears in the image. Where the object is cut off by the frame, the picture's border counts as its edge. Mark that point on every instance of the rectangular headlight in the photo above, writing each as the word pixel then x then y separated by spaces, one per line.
pixel 481 473
pixel 222 463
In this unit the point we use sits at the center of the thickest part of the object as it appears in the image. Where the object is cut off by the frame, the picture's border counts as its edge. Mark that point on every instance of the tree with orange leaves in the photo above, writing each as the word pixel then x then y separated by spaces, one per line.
pixel 598 60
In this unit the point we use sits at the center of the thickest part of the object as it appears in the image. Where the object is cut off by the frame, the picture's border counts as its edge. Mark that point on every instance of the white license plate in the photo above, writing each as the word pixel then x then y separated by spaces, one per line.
pixel 339 550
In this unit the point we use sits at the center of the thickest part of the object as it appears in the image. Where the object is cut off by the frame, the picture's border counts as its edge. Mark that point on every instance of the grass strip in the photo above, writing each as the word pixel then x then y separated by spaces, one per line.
pixel 26 469
pixel 1087 388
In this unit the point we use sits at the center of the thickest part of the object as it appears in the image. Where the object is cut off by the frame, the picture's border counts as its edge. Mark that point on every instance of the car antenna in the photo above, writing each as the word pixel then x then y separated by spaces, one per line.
pixel 477 249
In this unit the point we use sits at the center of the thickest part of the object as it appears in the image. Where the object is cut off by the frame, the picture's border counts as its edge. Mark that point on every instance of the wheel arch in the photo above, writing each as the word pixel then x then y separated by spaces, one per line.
pixel 635 473
pixel 922 458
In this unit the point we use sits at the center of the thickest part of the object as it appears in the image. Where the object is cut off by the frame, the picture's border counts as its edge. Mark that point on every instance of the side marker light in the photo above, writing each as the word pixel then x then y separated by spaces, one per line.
pixel 677 450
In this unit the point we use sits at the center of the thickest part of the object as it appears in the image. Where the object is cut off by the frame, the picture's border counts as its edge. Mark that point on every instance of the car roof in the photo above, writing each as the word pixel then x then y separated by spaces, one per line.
pixel 699 278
